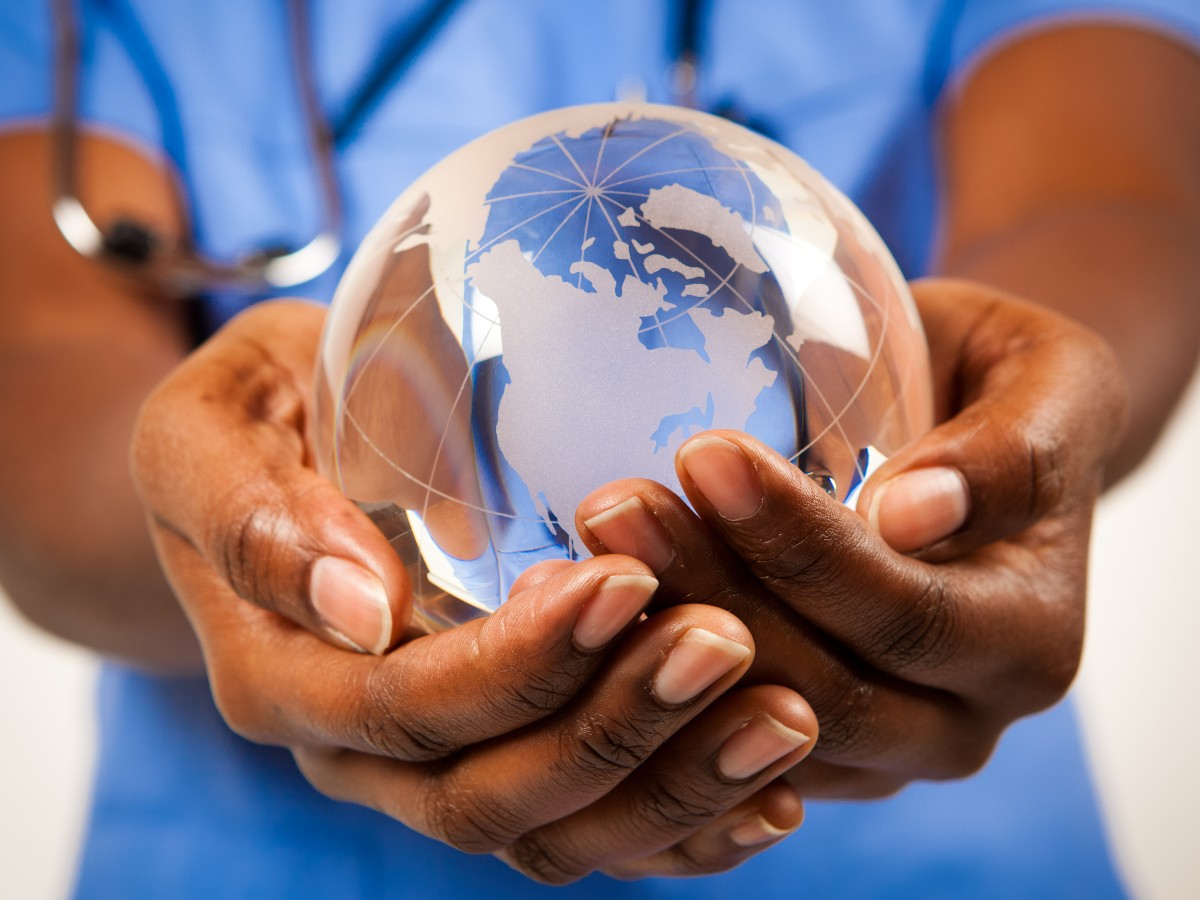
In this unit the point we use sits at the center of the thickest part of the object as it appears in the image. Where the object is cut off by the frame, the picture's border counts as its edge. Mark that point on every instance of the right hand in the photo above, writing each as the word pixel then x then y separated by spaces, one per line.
pixel 564 734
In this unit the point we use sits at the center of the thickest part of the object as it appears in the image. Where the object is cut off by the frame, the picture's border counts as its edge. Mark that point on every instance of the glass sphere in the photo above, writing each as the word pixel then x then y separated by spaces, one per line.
pixel 564 301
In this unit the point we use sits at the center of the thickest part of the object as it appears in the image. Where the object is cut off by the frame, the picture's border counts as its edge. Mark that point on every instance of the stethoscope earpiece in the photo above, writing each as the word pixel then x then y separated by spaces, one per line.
pixel 130 241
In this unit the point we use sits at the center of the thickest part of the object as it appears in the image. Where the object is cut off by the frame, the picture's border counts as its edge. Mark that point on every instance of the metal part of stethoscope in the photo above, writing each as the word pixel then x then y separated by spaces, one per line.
pixel 174 264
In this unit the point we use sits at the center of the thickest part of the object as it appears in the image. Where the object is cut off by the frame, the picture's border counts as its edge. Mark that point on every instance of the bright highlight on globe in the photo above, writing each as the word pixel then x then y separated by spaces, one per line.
pixel 564 301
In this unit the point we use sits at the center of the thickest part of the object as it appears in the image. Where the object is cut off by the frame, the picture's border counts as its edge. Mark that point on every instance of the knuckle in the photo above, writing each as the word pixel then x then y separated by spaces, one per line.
pixel 602 750
pixel 393 727
pixel 678 806
pixel 1046 459
pixel 846 716
pixel 787 555
pixel 545 861
pixel 813 560
pixel 925 636
pixel 517 694
pixel 469 818
pixel 239 548
pixel 390 734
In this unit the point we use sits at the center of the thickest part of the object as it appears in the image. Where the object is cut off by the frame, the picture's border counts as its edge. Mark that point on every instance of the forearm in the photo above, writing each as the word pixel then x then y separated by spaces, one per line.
pixel 75 555
pixel 1130 273
pixel 1070 179
pixel 80 346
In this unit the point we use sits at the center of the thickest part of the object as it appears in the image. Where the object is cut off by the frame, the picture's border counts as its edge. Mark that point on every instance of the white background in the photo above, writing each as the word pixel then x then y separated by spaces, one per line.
pixel 1137 693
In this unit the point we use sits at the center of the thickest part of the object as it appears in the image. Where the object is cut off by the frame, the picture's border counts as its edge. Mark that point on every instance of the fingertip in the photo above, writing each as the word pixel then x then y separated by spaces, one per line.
pixel 629 528
pixel 760 743
pixel 697 660
pixel 352 603
pixel 920 507
pixel 778 811
pixel 782 805
pixel 538 573
pixel 723 473
pixel 616 603
pixel 591 602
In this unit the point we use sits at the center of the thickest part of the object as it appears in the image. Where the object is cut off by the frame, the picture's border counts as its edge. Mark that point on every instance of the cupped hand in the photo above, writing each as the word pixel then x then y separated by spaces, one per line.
pixel 955 603
pixel 565 734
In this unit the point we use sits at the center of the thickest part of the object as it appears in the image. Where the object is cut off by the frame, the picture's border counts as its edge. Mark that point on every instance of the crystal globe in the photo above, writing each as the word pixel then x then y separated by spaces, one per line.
pixel 564 301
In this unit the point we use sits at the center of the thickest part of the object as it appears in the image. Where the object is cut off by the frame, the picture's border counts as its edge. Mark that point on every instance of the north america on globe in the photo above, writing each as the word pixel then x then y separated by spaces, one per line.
pixel 563 302
pixel 620 314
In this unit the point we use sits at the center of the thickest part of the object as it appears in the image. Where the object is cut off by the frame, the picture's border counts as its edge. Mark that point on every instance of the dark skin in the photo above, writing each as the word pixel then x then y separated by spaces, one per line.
pixel 913 633
pixel 896 645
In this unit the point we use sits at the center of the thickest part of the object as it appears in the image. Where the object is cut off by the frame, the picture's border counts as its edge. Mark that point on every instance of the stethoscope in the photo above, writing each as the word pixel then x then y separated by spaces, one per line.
pixel 176 265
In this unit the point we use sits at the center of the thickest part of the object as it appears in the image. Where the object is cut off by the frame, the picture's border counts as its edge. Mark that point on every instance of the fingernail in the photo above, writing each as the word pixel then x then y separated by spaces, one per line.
pixel 352 603
pixel 631 529
pixel 619 599
pixel 761 742
pixel 920 507
pixel 756 830
pixel 724 476
pixel 695 661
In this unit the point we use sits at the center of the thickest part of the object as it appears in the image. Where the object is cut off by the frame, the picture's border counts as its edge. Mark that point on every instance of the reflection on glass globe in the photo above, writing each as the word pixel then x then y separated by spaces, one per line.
pixel 564 301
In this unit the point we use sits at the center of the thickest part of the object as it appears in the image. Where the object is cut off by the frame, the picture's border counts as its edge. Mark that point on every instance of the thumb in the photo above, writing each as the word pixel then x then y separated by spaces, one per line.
pixel 1032 406
pixel 219 459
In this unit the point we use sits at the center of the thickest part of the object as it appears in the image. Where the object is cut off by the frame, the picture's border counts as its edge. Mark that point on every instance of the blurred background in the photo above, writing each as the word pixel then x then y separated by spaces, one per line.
pixel 1134 694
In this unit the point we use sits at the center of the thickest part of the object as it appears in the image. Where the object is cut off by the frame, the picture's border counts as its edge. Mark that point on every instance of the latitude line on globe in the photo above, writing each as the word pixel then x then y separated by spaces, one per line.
pixel 549 174
pixel 609 191
pixel 437 456
pixel 478 250
pixel 571 190
pixel 659 174
pixel 724 282
pixel 644 150
pixel 428 487
pixel 875 356
pixel 382 342
pixel 795 245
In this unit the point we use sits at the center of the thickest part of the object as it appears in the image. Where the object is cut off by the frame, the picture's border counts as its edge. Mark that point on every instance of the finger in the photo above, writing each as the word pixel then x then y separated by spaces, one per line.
pixel 755 825
pixel 867 716
pixel 275 683
pixel 538 573
pixel 669 669
pixel 791 542
pixel 924 625
pixel 1043 405
pixel 219 458
pixel 931 625
pixel 721 759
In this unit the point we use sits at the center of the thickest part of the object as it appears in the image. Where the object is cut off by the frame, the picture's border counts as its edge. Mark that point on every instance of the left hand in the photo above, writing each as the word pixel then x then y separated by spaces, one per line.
pixel 921 629
pixel 564 734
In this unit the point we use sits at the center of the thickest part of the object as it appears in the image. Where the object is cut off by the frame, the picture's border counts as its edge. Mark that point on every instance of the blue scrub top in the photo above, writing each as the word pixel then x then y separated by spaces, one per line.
pixel 184 808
